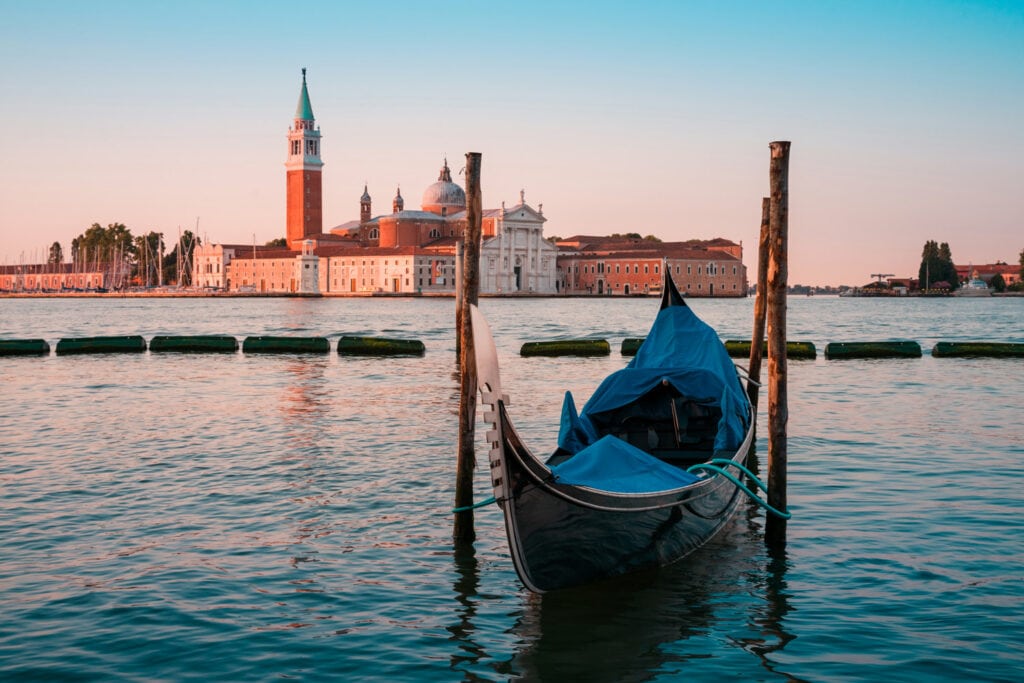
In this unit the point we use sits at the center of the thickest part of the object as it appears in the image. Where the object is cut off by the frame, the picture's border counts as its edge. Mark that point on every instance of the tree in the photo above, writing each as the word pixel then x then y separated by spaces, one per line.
pixel 103 245
pixel 651 238
pixel 279 242
pixel 56 256
pixel 937 265
pixel 998 283
pixel 1022 264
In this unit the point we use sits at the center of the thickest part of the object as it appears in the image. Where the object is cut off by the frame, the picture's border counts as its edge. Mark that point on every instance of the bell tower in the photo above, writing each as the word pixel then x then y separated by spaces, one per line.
pixel 304 169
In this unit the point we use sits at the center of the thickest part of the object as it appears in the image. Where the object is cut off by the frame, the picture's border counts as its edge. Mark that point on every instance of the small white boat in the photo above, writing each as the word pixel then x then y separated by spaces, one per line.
pixel 974 287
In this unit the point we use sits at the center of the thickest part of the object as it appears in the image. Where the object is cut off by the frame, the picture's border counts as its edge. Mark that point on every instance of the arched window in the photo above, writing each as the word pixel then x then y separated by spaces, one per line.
pixel 374 234
pixel 435 233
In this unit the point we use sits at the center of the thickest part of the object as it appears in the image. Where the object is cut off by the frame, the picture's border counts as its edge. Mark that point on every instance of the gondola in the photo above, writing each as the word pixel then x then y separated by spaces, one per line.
pixel 639 477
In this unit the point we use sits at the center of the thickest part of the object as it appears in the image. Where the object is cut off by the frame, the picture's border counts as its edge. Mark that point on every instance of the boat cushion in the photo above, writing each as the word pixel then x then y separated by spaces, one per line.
pixel 613 465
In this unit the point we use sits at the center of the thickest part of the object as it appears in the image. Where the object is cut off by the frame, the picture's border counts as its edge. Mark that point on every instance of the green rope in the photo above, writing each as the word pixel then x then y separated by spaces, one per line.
pixel 474 506
pixel 728 475
pixel 726 462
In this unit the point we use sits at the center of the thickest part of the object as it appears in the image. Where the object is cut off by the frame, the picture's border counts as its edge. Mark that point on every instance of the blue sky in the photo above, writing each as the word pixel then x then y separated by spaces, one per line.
pixel 905 118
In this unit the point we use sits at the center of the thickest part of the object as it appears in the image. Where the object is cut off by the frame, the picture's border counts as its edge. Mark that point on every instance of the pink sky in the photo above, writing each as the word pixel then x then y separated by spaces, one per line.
pixel 905 120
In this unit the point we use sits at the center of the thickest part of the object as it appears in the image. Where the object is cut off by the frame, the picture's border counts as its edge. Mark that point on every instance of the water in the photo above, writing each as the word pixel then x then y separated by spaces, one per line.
pixel 246 517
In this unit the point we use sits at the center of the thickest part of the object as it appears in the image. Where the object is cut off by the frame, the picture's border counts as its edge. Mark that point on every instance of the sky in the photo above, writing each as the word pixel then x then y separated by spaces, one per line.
pixel 906 119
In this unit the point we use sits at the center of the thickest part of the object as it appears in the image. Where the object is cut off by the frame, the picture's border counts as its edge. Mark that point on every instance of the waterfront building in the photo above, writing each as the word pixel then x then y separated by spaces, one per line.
pixel 407 251
pixel 412 251
pixel 1010 273
pixel 62 277
pixel 627 266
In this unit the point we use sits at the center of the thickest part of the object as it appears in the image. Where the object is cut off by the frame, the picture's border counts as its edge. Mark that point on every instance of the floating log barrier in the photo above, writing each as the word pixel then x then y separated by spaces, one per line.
pixel 894 349
pixel 567 347
pixel 740 348
pixel 380 346
pixel 286 345
pixel 75 345
pixel 630 345
pixel 210 343
pixel 978 350
pixel 24 347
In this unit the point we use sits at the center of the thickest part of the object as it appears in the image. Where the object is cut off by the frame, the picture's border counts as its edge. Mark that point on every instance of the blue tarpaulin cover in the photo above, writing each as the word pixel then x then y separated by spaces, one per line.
pixel 681 350
pixel 611 464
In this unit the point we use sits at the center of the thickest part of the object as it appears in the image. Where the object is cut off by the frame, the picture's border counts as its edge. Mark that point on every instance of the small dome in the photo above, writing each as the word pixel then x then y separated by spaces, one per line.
pixel 444 194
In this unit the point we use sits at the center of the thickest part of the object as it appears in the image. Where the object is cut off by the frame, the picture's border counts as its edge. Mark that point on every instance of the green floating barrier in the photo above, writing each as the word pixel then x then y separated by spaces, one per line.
pixel 630 345
pixel 286 345
pixel 799 350
pixel 978 349
pixel 210 343
pixel 567 347
pixel 129 344
pixel 24 347
pixel 897 349
pixel 380 346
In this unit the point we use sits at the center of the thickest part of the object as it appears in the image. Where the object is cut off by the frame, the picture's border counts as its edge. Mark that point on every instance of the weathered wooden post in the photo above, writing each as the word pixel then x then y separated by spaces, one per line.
pixel 760 302
pixel 458 300
pixel 778 273
pixel 463 526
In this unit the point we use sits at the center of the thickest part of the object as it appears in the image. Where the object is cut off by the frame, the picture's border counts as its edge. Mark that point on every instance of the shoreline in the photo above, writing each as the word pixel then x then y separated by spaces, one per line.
pixel 332 295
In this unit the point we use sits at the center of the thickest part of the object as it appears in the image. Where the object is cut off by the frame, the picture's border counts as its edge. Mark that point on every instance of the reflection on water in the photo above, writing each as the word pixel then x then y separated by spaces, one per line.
pixel 592 633
pixel 307 393
pixel 467 583
pixel 768 618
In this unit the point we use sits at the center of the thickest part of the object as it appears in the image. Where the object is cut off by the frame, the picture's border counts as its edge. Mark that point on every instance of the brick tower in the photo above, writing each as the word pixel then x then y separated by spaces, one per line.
pixel 305 188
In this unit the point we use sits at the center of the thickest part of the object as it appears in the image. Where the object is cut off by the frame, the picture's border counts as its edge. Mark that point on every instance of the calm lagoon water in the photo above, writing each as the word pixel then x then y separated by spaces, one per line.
pixel 246 517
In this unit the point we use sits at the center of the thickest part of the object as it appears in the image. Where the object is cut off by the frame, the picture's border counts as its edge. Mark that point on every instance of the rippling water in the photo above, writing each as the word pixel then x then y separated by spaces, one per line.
pixel 247 517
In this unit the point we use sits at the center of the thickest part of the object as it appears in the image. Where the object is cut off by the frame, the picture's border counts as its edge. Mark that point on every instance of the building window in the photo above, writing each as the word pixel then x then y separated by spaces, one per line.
pixel 645 269
pixel 435 233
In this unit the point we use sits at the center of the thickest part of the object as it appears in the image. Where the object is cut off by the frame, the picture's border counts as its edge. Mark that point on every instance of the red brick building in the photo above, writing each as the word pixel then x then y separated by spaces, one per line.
pixel 607 265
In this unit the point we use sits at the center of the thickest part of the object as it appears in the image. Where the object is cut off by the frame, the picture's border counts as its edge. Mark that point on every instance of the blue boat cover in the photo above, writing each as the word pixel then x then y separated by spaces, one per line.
pixel 611 464
pixel 681 350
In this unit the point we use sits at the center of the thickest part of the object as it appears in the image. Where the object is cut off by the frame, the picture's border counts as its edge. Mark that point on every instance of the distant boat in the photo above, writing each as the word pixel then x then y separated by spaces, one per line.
pixel 639 478
pixel 974 287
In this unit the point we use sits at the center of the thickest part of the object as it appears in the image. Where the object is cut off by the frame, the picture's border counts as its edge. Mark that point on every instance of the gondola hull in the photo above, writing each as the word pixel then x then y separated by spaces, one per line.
pixel 564 535
pixel 619 494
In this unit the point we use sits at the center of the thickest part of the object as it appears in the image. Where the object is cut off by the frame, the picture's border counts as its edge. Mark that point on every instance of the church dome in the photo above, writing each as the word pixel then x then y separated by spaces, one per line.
pixel 444 197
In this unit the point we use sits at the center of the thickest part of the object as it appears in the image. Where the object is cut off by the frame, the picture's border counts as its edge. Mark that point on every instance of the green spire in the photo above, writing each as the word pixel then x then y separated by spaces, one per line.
pixel 305 110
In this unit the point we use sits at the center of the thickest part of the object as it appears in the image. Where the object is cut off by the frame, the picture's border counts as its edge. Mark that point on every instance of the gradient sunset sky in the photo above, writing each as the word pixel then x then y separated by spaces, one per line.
pixel 906 118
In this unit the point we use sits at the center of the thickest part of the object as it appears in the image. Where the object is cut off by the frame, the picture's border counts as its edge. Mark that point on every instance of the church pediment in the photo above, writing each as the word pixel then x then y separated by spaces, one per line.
pixel 524 213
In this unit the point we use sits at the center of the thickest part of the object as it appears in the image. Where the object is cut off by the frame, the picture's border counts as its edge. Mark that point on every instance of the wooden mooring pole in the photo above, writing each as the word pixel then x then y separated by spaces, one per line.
pixel 463 530
pixel 778 273
pixel 459 256
pixel 760 302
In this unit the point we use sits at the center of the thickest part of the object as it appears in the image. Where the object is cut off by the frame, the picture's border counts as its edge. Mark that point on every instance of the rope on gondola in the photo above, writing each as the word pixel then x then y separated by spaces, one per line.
pixel 474 506
pixel 713 466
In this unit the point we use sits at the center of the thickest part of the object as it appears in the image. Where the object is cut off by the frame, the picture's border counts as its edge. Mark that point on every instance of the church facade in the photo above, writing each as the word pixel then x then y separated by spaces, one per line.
pixel 406 251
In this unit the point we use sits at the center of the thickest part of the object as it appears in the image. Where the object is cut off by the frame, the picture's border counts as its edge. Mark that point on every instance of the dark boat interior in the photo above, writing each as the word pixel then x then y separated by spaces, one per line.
pixel 678 429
